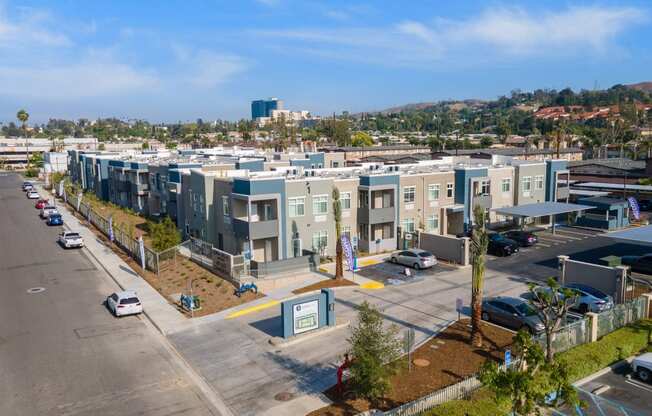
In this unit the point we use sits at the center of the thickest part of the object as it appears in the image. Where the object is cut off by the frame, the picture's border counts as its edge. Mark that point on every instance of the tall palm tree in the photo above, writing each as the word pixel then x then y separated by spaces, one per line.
pixel 339 252
pixel 23 116
pixel 479 243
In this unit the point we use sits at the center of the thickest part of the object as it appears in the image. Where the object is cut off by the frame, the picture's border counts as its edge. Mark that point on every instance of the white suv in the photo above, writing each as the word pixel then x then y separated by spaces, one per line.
pixel 47 210
pixel 69 239
pixel 642 366
pixel 124 303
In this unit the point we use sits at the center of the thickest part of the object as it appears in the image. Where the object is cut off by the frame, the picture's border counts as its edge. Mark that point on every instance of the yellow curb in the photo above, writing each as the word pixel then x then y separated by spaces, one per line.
pixel 368 262
pixel 323 270
pixel 252 309
pixel 372 285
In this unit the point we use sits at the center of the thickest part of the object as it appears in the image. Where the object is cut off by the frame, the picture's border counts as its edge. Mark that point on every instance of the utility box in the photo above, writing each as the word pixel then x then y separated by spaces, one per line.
pixel 308 313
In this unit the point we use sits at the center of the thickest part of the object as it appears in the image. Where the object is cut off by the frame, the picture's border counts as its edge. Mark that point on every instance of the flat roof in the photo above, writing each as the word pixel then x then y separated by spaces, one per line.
pixel 639 235
pixel 540 209
pixel 583 192
pixel 614 186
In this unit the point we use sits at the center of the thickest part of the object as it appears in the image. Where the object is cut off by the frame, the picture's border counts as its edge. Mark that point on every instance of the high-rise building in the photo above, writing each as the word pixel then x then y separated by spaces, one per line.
pixel 264 108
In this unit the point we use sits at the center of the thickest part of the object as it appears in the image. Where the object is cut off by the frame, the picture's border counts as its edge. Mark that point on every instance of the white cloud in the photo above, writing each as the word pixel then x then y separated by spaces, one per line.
pixel 30 28
pixel 209 69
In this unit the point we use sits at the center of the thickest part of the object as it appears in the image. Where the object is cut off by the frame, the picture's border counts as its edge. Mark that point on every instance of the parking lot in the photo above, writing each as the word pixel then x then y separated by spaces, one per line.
pixel 391 274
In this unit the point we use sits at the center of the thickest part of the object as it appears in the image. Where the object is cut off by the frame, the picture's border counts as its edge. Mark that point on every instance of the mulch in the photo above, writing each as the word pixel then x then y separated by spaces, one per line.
pixel 452 359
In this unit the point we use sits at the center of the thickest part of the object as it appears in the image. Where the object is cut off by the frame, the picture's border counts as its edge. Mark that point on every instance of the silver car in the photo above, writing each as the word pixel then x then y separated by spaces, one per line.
pixel 417 258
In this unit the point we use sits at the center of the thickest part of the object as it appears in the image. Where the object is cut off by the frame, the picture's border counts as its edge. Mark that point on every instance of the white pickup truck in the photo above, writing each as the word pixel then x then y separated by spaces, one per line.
pixel 70 239
pixel 642 366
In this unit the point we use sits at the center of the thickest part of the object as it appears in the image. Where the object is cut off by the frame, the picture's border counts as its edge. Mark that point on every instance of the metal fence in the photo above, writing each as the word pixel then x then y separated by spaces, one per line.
pixel 567 337
pixel 226 265
pixel 620 316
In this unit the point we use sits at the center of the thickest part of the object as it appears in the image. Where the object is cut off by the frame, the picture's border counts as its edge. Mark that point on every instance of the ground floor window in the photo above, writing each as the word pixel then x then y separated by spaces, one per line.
pixel 407 225
pixel 296 247
pixel 320 241
pixel 432 223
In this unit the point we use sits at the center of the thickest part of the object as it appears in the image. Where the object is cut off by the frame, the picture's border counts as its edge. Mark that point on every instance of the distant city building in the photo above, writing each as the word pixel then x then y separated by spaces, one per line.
pixel 264 108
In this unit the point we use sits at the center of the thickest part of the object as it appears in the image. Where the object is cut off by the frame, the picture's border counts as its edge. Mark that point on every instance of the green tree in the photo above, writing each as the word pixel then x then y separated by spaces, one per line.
pixel 551 303
pixel 375 351
pixel 361 139
pixel 23 116
pixel 339 252
pixel 479 244
pixel 164 234
pixel 145 145
pixel 530 383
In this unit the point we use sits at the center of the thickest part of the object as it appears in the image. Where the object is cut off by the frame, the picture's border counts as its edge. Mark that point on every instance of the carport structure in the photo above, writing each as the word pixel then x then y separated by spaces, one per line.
pixel 542 209
pixel 639 235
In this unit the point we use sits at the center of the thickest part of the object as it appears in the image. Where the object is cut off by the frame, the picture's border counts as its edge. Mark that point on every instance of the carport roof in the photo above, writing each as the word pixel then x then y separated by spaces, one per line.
pixel 541 209
pixel 639 235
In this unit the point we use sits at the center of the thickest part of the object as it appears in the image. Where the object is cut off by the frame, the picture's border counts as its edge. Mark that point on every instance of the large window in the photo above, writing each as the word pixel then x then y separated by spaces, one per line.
pixel 485 187
pixel 433 192
pixel 319 240
pixel 226 208
pixel 346 230
pixel 345 200
pixel 407 225
pixel 450 187
pixel 527 185
pixel 432 223
pixel 538 182
pixel 320 204
pixel 297 206
pixel 408 194
pixel 506 185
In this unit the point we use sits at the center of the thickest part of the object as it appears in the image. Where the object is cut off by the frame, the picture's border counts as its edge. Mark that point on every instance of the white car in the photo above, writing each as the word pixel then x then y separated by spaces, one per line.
pixel 642 366
pixel 47 210
pixel 70 239
pixel 417 258
pixel 33 195
pixel 124 303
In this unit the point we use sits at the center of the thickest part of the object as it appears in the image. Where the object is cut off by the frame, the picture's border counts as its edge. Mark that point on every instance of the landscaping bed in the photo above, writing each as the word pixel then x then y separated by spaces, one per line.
pixel 451 359
pixel 324 284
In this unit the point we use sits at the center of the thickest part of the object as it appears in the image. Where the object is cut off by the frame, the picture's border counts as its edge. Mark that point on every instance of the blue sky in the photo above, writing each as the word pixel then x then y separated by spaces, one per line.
pixel 169 60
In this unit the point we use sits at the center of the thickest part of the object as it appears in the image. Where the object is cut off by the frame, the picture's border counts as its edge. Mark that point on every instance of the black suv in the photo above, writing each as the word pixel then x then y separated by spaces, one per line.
pixel 523 238
pixel 501 246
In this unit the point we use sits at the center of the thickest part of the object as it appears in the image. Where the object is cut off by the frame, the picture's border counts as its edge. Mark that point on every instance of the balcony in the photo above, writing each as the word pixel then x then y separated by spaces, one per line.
pixel 255 229
pixel 562 193
pixel 483 200
pixel 376 215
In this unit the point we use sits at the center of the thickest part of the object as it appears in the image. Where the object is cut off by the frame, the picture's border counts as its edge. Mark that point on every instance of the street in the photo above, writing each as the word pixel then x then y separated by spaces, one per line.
pixel 61 352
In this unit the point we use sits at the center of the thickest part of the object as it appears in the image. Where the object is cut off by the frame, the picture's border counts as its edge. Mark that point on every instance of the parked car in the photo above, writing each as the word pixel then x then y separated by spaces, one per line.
pixel 523 238
pixel 27 186
pixel 33 195
pixel 638 264
pixel 41 203
pixel 124 303
pixel 417 258
pixel 512 313
pixel 501 246
pixel 642 367
pixel 54 219
pixel 70 239
pixel 47 210
pixel 645 205
pixel 590 299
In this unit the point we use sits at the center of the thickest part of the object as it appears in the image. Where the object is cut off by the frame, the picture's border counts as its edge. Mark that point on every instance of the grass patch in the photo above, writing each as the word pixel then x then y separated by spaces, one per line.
pixel 584 360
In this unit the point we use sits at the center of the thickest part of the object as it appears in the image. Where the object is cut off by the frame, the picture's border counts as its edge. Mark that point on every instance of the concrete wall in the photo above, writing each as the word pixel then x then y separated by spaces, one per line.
pixel 610 280
pixel 452 249
pixel 500 199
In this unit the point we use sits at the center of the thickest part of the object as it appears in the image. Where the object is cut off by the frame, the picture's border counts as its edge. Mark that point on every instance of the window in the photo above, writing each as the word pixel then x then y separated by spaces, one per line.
pixel 363 199
pixel 296 247
pixel 433 192
pixel 449 190
pixel 345 200
pixel 319 204
pixel 363 231
pixel 346 230
pixel 297 206
pixel 226 208
pixel 408 225
pixel 432 223
pixel 538 182
pixel 506 185
pixel 319 240
pixel 408 194
pixel 527 185
pixel 485 187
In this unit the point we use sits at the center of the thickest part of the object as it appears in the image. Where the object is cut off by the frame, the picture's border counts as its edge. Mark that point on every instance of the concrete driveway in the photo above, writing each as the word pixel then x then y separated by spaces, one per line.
pixel 391 274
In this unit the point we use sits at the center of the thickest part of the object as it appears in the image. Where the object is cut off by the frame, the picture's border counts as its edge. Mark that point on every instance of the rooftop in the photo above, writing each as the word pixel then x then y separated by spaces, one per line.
pixel 616 163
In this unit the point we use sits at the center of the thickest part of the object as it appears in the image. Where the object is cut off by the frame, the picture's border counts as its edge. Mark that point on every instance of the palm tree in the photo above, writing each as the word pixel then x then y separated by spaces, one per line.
pixel 23 116
pixel 339 253
pixel 479 243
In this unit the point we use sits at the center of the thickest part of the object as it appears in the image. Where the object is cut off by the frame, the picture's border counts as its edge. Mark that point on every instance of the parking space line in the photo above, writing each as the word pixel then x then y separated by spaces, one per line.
pixel 540 244
pixel 552 240
pixel 587 234
pixel 568 236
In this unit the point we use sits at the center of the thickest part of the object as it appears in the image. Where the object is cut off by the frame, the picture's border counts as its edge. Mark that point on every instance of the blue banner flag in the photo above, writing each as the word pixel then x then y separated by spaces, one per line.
pixel 348 251
pixel 636 211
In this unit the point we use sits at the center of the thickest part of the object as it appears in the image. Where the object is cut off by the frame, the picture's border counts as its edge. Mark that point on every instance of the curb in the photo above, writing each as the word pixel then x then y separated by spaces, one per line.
pixel 600 373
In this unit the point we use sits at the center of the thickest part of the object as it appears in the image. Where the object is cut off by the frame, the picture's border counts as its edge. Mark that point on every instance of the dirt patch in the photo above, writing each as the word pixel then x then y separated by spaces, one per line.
pixel 451 357
pixel 215 293
pixel 324 284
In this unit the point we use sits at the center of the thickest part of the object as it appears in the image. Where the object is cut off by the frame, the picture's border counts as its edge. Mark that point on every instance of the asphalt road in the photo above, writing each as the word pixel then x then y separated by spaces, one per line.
pixel 61 352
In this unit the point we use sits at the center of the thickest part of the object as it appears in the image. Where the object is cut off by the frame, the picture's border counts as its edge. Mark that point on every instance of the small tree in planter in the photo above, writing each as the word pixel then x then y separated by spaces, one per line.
pixel 551 304
pixel 479 244
pixel 375 351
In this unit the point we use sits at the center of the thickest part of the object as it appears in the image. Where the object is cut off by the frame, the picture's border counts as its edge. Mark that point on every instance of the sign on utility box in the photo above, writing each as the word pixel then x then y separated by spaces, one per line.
pixel 308 313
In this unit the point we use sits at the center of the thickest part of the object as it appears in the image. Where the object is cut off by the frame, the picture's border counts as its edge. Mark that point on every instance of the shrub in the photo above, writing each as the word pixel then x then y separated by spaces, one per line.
pixel 164 234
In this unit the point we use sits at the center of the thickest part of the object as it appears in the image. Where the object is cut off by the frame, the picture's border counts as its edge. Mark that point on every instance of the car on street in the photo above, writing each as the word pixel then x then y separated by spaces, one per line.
pixel 41 203
pixel 523 238
pixel 27 186
pixel 638 264
pixel 33 195
pixel 54 219
pixel 70 239
pixel 512 313
pixel 501 246
pixel 124 303
pixel 590 299
pixel 47 210
pixel 642 367
pixel 416 258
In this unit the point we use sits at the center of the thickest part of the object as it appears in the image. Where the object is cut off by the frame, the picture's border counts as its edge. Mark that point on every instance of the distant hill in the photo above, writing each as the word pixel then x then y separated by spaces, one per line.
pixel 642 86
pixel 453 105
